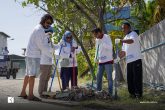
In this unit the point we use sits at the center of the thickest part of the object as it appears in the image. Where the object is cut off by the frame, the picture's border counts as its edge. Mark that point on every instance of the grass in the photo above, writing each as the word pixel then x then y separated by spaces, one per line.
pixel 152 100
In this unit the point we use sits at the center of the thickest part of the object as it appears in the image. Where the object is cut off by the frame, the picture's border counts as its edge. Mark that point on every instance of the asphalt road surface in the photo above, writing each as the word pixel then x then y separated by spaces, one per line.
pixel 10 90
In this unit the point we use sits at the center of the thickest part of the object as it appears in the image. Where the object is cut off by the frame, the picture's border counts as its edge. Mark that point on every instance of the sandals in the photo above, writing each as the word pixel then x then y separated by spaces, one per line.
pixel 34 98
pixel 24 97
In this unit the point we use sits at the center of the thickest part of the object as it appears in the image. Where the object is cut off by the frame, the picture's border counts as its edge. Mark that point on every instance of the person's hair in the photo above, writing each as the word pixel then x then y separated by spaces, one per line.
pixel 96 30
pixel 45 18
pixel 128 24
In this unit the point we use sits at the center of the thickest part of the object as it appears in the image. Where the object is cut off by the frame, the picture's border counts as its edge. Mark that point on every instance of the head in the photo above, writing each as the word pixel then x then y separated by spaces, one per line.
pixel 126 27
pixel 97 32
pixel 46 21
pixel 67 37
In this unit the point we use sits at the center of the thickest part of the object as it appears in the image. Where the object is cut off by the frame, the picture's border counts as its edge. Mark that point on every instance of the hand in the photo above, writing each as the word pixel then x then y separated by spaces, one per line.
pixel 73 49
pixel 49 33
pixel 117 59
pixel 62 43
pixel 117 41
pixel 121 54
pixel 74 44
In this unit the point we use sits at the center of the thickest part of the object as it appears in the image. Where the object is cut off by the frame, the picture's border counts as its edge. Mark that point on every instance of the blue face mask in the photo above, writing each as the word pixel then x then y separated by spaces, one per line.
pixel 50 29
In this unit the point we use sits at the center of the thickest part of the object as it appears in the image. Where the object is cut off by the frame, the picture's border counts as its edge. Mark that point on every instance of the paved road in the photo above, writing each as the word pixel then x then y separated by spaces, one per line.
pixel 12 88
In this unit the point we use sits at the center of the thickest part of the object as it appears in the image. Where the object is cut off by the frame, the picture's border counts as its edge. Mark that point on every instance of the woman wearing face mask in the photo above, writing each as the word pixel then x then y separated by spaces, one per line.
pixel 68 60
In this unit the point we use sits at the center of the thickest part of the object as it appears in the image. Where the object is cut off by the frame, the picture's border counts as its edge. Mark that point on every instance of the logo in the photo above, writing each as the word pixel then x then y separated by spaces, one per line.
pixel 10 99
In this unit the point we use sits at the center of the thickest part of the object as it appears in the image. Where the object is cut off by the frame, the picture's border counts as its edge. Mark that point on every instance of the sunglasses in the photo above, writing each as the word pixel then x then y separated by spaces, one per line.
pixel 68 37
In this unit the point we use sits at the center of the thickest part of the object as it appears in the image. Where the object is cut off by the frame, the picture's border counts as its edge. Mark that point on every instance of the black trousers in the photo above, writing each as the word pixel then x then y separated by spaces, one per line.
pixel 135 77
pixel 67 74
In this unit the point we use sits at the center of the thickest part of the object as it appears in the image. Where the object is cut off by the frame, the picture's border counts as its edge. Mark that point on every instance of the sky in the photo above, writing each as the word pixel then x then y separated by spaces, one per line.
pixel 18 23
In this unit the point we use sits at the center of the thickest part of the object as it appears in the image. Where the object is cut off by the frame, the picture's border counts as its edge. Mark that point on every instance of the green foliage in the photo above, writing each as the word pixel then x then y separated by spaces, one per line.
pixel 74 15
pixel 82 64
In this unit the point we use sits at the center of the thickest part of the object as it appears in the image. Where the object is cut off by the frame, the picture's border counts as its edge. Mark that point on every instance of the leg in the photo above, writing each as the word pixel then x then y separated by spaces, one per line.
pixel 48 77
pixel 23 92
pixel 31 86
pixel 26 79
pixel 63 77
pixel 33 70
pixel 138 82
pixel 109 69
pixel 68 76
pixel 43 78
pixel 100 77
pixel 130 80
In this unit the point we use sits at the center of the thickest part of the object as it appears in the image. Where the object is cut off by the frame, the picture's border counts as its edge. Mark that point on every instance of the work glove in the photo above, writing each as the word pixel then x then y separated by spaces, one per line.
pixel 117 41
pixel 74 44
pixel 62 43
pixel 57 57
pixel 117 59
pixel 49 33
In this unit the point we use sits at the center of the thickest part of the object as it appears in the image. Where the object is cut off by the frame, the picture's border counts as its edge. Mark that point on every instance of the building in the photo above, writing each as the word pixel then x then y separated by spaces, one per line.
pixel 3 41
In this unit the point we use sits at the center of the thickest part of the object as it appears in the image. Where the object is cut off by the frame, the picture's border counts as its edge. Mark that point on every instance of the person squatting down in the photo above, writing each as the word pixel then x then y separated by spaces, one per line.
pixel 104 58
pixel 68 61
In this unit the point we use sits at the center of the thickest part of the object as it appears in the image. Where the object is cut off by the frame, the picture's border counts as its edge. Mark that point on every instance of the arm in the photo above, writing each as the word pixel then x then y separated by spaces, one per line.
pixel 133 37
pixel 127 41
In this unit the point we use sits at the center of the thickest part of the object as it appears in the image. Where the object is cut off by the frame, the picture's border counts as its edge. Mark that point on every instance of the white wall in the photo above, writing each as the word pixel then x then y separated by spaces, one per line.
pixel 154 59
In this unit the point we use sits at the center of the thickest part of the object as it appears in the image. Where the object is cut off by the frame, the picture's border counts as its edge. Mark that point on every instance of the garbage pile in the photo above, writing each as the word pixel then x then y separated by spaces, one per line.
pixel 78 94
pixel 157 87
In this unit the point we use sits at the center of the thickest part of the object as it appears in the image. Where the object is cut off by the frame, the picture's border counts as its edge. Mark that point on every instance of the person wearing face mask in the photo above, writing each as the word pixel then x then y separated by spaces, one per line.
pixel 46 62
pixel 68 61
pixel 104 58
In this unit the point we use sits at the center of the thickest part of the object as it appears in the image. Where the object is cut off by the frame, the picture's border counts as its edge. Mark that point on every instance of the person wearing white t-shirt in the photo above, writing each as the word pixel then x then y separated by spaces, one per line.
pixel 104 58
pixel 131 49
pixel 33 55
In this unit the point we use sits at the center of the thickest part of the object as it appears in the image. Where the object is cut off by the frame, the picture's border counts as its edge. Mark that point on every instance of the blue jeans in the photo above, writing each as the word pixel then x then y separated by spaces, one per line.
pixel 108 68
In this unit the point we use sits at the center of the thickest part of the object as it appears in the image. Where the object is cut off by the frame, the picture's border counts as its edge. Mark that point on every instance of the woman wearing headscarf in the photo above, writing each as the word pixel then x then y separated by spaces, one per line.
pixel 68 61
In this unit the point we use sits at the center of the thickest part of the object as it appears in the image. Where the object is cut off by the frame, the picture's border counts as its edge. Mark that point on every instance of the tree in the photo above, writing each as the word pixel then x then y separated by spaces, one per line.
pixel 159 11
pixel 72 15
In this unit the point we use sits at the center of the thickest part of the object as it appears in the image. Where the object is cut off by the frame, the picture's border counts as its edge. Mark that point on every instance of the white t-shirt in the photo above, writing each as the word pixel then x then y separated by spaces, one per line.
pixel 36 43
pixel 133 52
pixel 105 49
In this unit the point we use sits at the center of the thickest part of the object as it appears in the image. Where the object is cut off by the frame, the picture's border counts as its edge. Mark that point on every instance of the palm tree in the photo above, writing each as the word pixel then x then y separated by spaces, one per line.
pixel 159 13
